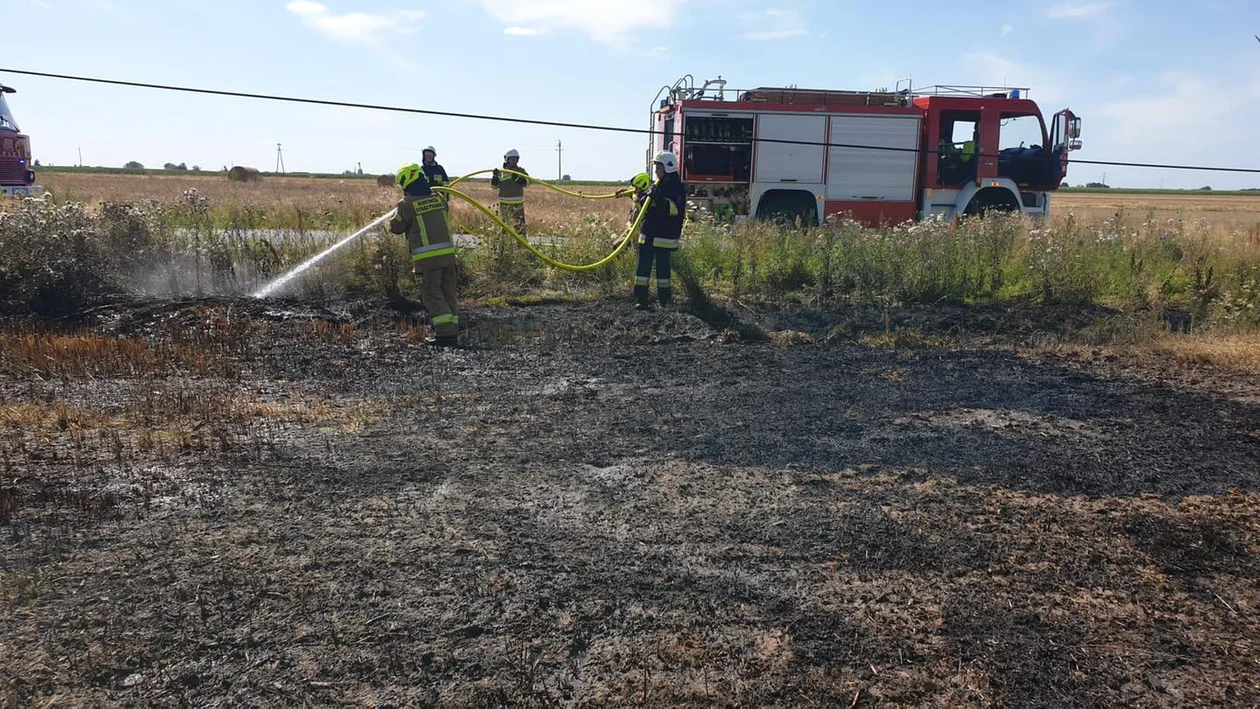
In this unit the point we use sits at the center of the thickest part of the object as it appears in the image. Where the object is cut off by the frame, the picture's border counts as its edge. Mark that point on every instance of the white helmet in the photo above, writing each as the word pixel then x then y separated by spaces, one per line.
pixel 667 159
pixel 511 154
pixel 429 149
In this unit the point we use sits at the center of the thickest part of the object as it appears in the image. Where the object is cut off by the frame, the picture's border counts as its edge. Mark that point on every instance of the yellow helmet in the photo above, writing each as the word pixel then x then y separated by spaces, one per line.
pixel 408 174
pixel 641 181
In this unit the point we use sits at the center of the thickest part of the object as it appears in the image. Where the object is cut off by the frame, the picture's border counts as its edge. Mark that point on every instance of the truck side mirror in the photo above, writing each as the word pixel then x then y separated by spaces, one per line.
pixel 1074 128
pixel 1074 144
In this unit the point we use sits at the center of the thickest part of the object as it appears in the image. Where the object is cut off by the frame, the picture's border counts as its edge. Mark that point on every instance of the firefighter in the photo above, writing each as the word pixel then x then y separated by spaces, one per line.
pixel 511 191
pixel 422 218
pixel 660 232
pixel 433 172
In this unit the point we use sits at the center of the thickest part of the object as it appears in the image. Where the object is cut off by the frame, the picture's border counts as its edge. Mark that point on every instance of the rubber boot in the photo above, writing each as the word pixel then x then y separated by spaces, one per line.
pixel 641 298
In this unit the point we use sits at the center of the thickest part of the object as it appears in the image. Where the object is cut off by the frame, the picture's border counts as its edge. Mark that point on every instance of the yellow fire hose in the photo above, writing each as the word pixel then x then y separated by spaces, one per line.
pixel 619 193
pixel 634 227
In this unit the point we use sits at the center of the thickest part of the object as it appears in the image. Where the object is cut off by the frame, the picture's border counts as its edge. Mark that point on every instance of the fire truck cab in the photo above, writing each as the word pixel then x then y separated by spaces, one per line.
pixel 17 179
pixel 878 157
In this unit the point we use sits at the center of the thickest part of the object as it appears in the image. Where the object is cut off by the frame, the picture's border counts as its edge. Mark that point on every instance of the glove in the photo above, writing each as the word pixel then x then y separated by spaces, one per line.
pixel 494 177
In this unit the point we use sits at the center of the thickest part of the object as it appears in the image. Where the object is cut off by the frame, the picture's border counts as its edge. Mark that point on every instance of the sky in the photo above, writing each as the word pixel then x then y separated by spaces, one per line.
pixel 1153 81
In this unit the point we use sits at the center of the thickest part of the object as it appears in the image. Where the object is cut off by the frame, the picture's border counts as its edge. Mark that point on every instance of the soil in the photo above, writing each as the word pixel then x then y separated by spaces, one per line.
pixel 592 505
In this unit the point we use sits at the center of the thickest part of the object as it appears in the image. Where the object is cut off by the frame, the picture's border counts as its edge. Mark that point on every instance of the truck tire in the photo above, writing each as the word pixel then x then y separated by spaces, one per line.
pixel 991 199
pixel 786 206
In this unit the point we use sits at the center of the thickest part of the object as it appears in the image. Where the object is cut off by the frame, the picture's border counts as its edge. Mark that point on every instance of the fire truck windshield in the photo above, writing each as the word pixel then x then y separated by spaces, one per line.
pixel 6 117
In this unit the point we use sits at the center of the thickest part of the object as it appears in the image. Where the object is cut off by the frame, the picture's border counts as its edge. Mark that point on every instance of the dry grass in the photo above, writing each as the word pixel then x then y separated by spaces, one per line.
pixel 286 198
pixel 1237 352
pixel 550 208
pixel 1225 211
pixel 44 354
pixel 1234 352
pixel 271 193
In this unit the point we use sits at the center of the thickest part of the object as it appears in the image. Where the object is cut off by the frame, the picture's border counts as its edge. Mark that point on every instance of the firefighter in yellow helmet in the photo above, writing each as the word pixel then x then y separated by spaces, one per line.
pixel 422 218
pixel 661 230
pixel 511 190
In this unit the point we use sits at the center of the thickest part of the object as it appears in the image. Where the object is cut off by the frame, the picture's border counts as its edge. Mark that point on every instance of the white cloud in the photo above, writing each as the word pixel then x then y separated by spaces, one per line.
pixel 353 27
pixel 1007 29
pixel 993 69
pixel 520 31
pixel 1141 121
pixel 602 21
pixel 1077 10
pixel 773 24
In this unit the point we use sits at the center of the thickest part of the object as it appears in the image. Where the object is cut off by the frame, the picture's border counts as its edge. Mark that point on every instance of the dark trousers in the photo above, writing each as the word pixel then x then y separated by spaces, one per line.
pixel 643 274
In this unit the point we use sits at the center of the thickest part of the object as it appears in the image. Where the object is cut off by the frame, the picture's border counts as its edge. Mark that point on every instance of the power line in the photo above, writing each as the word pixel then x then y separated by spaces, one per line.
pixel 564 124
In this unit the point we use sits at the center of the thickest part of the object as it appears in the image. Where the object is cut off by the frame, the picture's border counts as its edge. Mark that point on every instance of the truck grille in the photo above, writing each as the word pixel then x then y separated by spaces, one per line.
pixel 12 173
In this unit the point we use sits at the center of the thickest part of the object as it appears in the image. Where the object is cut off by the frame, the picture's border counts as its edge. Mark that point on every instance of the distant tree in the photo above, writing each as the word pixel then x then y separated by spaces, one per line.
pixel 37 163
pixel 566 178
pixel 1206 188
pixel 133 165
pixel 173 166
pixel 196 168
pixel 1098 185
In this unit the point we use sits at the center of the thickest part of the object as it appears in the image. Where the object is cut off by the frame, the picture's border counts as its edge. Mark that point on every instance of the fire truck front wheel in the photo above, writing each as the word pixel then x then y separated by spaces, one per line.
pixel 991 199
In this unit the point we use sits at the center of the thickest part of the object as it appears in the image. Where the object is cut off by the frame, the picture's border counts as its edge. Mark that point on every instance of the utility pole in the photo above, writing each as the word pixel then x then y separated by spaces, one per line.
pixel 279 159
pixel 80 156
pixel 559 160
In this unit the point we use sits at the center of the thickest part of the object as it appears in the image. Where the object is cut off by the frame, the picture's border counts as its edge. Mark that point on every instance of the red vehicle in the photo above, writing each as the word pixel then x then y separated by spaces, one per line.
pixel 876 157
pixel 17 179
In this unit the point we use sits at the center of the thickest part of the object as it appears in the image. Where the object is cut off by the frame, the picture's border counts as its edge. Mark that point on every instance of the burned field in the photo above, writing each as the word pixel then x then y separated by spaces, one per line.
pixel 226 501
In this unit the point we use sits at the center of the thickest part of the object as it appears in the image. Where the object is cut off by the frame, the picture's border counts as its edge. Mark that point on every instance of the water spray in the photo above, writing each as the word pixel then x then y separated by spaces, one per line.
pixel 305 265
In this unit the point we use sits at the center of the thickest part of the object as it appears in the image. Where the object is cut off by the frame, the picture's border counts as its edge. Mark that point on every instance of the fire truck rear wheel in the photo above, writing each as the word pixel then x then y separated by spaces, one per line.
pixel 786 206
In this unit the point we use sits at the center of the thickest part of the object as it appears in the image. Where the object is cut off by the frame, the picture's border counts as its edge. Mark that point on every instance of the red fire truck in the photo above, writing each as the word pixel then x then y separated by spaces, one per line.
pixel 878 157
pixel 16 176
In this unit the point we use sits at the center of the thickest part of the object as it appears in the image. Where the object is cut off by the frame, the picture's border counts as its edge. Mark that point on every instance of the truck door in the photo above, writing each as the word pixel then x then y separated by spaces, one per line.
pixel 1065 133
pixel 957 159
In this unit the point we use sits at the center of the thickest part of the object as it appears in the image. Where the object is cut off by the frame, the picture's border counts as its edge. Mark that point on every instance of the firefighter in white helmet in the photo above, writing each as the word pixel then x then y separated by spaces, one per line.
pixel 421 216
pixel 433 172
pixel 511 190
pixel 660 232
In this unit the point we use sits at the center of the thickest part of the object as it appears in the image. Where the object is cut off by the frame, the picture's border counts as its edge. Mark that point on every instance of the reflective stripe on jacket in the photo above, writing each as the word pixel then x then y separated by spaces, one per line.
pixel 663 225
pixel 435 174
pixel 512 187
pixel 423 219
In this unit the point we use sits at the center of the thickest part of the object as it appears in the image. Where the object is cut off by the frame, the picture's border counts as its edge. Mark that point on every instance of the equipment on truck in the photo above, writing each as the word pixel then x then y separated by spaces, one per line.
pixel 877 157
pixel 17 178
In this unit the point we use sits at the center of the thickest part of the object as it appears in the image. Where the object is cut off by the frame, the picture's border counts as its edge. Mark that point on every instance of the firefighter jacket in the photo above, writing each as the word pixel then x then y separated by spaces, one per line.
pixel 422 217
pixel 662 227
pixel 435 174
pixel 512 187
